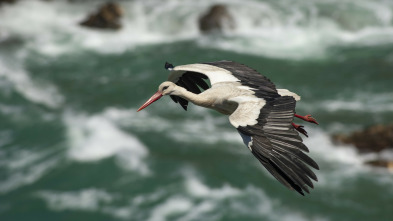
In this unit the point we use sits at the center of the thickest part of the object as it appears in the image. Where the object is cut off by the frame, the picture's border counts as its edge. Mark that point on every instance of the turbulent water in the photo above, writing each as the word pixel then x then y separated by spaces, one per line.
pixel 73 147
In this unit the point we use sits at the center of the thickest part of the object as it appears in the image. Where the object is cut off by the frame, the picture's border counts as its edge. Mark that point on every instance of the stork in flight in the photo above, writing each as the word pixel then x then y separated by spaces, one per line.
pixel 262 114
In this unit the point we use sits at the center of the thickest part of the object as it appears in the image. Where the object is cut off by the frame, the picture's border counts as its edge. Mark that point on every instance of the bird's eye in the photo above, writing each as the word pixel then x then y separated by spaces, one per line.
pixel 164 88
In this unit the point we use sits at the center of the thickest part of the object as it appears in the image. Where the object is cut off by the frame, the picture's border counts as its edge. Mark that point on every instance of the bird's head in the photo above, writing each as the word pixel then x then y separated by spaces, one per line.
pixel 166 88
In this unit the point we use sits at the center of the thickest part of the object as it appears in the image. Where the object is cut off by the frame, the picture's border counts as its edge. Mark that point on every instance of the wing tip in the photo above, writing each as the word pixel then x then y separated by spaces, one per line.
pixel 168 66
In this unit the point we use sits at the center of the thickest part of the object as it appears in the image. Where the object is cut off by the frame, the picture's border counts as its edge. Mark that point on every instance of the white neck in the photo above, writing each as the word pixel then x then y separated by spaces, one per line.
pixel 197 99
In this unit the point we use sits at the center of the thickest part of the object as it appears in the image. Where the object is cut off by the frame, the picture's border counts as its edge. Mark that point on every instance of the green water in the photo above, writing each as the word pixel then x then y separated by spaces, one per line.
pixel 73 147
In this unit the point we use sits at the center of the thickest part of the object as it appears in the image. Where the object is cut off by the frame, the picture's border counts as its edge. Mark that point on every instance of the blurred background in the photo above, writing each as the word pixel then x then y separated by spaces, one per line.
pixel 73 73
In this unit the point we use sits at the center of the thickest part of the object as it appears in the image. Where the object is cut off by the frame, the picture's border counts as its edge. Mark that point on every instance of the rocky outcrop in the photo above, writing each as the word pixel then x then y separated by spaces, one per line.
pixel 381 163
pixel 372 139
pixel 107 17
pixel 216 19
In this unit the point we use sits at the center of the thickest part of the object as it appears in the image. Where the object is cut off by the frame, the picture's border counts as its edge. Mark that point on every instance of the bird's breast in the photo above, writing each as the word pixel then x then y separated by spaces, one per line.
pixel 225 107
pixel 218 98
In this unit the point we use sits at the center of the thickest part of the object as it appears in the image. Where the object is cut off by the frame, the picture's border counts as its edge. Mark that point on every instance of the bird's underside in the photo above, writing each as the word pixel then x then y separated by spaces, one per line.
pixel 262 115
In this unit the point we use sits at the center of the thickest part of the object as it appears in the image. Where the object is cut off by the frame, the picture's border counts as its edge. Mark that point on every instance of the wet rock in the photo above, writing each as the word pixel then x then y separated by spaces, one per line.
pixel 216 19
pixel 107 17
pixel 372 139
pixel 388 164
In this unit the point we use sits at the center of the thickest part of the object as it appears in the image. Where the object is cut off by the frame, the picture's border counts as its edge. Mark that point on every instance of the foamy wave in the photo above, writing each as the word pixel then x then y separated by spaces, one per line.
pixel 194 200
pixel 340 163
pixel 361 102
pixel 250 201
pixel 197 189
pixel 87 199
pixel 96 137
pixel 304 29
pixel 24 167
pixel 53 27
pixel 172 206
pixel 321 147
pixel 38 92
pixel 204 128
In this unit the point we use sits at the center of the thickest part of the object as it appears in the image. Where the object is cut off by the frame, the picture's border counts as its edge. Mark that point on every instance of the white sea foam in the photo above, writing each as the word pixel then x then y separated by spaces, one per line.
pixel 305 29
pixel 367 106
pixel 280 29
pixel 39 92
pixel 338 162
pixel 184 204
pixel 205 208
pixel 250 201
pixel 132 208
pixel 25 167
pixel 199 201
pixel 320 144
pixel 96 137
pixel 359 102
pixel 86 199
pixel 53 28
pixel 171 206
pixel 343 160
pixel 204 128
pixel 197 189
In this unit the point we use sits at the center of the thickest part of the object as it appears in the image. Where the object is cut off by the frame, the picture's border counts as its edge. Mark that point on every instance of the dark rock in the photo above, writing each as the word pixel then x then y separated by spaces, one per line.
pixel 216 19
pixel 388 164
pixel 372 139
pixel 107 17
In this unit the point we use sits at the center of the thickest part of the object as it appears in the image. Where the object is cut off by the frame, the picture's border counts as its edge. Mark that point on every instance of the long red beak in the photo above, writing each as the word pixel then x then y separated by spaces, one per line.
pixel 153 98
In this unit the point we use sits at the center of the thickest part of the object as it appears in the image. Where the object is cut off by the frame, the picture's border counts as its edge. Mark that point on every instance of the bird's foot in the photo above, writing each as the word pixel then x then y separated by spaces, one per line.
pixel 307 118
pixel 300 128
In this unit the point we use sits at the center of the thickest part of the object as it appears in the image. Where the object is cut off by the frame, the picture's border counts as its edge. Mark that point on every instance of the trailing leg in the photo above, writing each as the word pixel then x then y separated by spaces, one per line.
pixel 307 118
pixel 300 128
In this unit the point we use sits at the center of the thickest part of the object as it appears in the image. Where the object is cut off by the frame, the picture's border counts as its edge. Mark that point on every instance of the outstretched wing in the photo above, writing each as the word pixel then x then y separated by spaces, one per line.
pixel 192 77
pixel 263 119
pixel 248 77
pixel 273 140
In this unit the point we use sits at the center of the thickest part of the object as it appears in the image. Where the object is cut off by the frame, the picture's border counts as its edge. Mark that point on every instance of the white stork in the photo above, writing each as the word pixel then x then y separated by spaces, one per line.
pixel 261 114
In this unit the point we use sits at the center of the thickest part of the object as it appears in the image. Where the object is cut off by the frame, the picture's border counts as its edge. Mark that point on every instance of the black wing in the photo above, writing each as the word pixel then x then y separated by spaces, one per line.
pixel 192 81
pixel 279 147
pixel 251 78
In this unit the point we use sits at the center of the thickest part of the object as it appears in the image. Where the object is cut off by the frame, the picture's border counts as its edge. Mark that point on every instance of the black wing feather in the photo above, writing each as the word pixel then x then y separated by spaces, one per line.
pixel 279 147
pixel 198 80
pixel 174 98
pixel 191 86
pixel 190 81
pixel 250 78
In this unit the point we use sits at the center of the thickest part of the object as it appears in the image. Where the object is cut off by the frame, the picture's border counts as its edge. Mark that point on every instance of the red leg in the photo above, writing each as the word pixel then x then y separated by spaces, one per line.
pixel 307 118
pixel 300 128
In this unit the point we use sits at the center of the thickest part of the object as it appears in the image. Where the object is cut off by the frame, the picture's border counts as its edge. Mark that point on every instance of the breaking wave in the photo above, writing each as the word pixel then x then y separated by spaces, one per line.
pixel 96 137
pixel 279 29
